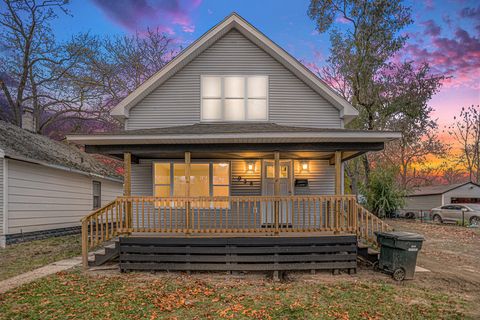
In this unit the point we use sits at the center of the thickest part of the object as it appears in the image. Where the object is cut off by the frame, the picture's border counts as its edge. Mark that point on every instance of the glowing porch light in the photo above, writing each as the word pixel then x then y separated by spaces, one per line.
pixel 304 165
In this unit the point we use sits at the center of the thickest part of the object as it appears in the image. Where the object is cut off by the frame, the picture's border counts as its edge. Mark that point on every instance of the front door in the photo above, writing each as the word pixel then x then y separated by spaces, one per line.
pixel 268 186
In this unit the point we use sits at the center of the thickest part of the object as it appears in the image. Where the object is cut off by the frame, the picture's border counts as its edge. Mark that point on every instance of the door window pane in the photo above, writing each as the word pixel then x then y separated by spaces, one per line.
pixel 270 171
pixel 283 171
pixel 234 87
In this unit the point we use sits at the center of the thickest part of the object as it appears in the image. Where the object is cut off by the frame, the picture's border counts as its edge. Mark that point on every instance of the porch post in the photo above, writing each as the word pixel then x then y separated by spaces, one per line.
pixel 127 176
pixel 187 190
pixel 276 190
pixel 338 173
pixel 127 188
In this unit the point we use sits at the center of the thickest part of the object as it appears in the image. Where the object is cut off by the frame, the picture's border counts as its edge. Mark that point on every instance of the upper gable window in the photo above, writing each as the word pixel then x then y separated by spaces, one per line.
pixel 234 98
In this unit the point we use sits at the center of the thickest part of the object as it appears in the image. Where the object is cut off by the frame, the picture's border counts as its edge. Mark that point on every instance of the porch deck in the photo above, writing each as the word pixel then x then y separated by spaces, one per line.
pixel 229 217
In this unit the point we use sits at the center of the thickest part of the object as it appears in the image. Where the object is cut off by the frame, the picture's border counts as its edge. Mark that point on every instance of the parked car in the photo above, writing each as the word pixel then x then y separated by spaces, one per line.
pixel 454 212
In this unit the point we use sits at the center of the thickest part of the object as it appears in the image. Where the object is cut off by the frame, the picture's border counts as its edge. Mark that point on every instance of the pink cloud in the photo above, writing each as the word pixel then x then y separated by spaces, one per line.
pixel 431 28
pixel 457 57
pixel 139 14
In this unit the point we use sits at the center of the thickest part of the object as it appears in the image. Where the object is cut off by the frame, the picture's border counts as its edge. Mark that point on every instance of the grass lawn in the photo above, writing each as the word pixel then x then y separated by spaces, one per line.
pixel 79 295
pixel 23 257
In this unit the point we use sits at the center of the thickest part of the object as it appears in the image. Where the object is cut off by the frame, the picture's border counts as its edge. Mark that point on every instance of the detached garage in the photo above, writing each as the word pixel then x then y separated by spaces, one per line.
pixel 427 198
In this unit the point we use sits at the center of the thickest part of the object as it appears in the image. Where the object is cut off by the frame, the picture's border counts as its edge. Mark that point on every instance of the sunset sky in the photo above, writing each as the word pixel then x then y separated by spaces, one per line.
pixel 444 33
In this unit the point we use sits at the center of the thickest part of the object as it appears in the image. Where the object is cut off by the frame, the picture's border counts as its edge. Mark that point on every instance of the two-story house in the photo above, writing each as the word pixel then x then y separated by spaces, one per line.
pixel 234 137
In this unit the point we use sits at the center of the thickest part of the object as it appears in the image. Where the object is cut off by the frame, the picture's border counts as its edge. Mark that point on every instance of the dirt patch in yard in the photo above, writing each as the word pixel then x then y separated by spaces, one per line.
pixel 452 254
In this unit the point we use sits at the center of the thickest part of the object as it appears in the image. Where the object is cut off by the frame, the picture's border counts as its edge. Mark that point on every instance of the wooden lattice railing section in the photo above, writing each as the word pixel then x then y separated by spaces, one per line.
pixel 228 215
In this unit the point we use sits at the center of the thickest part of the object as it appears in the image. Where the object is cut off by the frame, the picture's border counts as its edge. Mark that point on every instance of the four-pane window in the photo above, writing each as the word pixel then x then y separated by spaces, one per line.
pixel 234 98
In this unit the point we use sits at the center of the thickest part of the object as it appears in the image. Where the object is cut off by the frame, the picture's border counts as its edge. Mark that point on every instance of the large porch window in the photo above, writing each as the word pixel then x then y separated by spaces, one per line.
pixel 234 98
pixel 206 179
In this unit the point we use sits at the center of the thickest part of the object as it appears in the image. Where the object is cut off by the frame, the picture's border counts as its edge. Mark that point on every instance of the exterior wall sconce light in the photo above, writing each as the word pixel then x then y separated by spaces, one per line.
pixel 304 166
pixel 250 166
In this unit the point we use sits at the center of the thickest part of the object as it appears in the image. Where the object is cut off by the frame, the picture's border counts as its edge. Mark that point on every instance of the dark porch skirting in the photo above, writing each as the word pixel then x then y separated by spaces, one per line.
pixel 39 235
pixel 331 252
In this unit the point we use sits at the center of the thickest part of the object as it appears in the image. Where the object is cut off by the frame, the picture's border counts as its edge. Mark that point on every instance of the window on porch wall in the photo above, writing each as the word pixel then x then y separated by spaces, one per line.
pixel 169 181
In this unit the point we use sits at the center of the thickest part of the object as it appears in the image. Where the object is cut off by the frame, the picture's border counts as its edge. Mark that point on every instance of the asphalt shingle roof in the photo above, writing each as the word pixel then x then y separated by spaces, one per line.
pixel 433 190
pixel 219 128
pixel 18 143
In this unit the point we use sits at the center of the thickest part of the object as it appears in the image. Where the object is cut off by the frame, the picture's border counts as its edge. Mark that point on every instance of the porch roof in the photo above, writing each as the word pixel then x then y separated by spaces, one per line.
pixel 234 133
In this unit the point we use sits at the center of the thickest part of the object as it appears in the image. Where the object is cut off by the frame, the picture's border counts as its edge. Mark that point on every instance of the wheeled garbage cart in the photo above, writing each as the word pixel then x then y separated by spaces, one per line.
pixel 398 253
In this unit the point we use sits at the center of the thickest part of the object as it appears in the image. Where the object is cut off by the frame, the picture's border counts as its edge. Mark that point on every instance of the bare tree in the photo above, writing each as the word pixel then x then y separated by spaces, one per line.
pixel 32 64
pixel 69 86
pixel 118 65
pixel 466 131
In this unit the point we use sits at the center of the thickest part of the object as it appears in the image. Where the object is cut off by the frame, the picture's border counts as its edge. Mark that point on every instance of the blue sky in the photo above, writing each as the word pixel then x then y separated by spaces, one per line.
pixel 445 33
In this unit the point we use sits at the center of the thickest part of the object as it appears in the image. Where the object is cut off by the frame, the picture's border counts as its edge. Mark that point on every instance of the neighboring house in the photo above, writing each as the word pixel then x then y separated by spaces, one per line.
pixel 427 198
pixel 234 135
pixel 46 186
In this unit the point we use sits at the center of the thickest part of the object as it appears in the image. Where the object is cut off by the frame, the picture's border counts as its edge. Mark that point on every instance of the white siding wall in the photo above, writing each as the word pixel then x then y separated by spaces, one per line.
pixel 423 202
pixel 467 191
pixel 177 101
pixel 42 198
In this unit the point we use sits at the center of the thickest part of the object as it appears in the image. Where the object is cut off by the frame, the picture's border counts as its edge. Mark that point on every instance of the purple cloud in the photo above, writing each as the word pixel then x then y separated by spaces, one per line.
pixel 138 14
pixel 431 28
pixel 458 57
pixel 470 13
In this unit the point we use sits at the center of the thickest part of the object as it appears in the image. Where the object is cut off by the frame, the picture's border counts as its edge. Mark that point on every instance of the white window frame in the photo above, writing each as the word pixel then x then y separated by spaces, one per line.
pixel 210 174
pixel 245 97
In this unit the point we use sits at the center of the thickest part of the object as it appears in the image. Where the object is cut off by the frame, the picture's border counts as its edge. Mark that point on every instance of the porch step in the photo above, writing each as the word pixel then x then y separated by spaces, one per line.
pixel 366 253
pixel 111 252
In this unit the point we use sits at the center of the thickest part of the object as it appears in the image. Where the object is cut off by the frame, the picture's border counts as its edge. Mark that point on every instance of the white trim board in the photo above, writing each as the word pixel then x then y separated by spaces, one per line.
pixel 347 111
pixel 270 137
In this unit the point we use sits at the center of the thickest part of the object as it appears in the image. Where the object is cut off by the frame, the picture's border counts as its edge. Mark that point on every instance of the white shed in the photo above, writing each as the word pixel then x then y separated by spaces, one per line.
pixel 47 186
pixel 426 198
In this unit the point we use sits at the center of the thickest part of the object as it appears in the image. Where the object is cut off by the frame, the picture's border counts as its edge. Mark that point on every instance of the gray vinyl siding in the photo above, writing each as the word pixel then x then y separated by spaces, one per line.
pixel 321 178
pixel 249 184
pixel 466 191
pixel 423 202
pixel 177 101
pixel 2 160
pixel 42 198
pixel 142 184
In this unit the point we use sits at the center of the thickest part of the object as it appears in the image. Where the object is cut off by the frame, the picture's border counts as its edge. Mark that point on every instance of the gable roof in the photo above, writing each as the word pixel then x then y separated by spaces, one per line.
pixel 347 111
pixel 17 143
pixel 436 190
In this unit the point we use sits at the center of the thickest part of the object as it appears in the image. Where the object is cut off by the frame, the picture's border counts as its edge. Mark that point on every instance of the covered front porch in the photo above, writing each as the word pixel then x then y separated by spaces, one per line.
pixel 232 181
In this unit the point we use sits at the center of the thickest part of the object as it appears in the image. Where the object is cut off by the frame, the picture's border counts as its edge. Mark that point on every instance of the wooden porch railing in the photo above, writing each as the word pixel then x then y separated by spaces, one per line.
pixel 228 215
pixel 368 224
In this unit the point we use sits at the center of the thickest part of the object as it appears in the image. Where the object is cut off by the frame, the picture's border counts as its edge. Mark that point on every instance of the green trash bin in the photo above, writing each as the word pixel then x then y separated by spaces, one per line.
pixel 398 253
